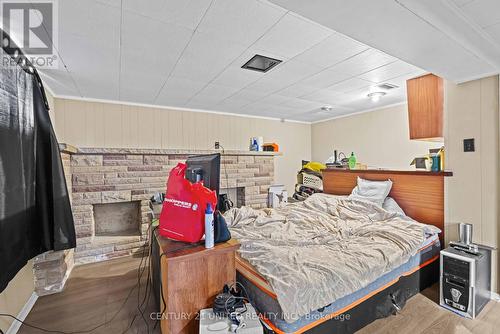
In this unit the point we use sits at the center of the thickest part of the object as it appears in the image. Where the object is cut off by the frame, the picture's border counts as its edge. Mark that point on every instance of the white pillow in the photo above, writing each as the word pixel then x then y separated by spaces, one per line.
pixel 392 206
pixel 373 191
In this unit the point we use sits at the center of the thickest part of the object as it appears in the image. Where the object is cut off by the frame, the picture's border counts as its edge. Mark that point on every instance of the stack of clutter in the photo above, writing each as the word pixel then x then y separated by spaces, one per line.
pixel 309 180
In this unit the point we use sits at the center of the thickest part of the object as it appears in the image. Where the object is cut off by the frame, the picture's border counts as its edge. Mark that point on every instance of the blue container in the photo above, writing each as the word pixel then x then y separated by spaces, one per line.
pixel 436 163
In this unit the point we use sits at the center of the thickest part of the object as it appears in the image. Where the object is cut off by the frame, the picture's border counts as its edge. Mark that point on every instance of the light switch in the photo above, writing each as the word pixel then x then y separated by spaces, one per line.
pixel 469 145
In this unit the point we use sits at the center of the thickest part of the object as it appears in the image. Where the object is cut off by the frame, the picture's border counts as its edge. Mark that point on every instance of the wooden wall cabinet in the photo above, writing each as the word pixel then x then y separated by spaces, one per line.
pixel 425 107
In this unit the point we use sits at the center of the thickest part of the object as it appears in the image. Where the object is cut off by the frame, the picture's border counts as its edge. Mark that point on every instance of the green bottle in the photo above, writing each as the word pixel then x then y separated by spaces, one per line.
pixel 352 161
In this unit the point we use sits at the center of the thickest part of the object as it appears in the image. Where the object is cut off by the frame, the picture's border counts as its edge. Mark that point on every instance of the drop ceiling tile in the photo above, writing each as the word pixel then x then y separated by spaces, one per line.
pixel 363 62
pixel 59 81
pixel 92 19
pixel 96 79
pixel 146 62
pixel 143 93
pixel 296 90
pixel 349 85
pixel 461 3
pixel 200 104
pixel 237 77
pixel 302 104
pixel 391 27
pixel 332 50
pixel 89 46
pixel 494 32
pixel 325 78
pixel 292 35
pixel 206 56
pixel 274 99
pixel 231 103
pixel 485 12
pixel 248 95
pixel 282 76
pixel 178 91
pixel 186 13
pixel 113 3
pixel 389 71
pixel 323 96
pixel 214 94
pixel 242 21
pixel 268 110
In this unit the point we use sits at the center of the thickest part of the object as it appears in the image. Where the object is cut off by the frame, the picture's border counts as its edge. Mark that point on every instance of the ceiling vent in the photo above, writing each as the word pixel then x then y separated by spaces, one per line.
pixel 387 86
pixel 261 63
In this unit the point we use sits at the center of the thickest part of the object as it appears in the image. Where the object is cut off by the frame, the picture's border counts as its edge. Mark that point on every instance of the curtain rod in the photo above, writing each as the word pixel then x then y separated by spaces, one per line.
pixel 11 48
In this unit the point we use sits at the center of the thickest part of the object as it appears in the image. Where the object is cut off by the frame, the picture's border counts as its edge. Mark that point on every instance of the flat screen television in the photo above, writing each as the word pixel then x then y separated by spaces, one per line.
pixel 204 167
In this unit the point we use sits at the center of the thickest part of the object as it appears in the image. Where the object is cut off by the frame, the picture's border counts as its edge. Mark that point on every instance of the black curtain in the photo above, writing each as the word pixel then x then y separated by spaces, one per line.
pixel 35 212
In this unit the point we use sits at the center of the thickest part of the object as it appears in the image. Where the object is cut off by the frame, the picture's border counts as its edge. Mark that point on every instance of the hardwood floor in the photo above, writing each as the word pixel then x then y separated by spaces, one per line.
pixel 95 292
pixel 92 296
pixel 422 314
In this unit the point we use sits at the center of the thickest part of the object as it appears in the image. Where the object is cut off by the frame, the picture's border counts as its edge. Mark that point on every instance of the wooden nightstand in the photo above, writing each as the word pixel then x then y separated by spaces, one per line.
pixel 191 277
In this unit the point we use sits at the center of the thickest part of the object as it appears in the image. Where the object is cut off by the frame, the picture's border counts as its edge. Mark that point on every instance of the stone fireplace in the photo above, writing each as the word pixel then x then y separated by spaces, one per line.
pixel 110 191
pixel 117 219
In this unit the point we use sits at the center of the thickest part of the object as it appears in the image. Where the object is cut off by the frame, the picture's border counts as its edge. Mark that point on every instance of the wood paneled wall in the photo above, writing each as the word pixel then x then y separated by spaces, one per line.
pixel 96 124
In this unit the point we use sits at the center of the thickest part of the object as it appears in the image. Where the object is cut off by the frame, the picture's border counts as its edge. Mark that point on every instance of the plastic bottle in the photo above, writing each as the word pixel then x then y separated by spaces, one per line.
pixel 209 227
pixel 254 146
pixel 352 161
pixel 441 159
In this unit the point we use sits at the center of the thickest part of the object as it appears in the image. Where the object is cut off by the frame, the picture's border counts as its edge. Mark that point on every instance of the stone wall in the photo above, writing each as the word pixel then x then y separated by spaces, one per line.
pixel 52 269
pixel 111 176
pixel 100 176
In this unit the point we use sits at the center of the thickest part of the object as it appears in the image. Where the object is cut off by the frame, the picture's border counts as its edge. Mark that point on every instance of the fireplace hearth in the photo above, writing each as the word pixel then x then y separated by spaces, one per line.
pixel 110 191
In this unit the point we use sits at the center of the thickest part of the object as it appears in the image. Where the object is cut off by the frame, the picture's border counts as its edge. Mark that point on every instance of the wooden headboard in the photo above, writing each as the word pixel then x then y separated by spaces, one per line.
pixel 419 194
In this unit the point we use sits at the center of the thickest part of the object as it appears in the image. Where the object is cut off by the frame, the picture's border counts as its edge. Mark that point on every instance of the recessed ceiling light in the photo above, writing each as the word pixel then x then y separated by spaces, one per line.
pixel 326 108
pixel 261 63
pixel 375 96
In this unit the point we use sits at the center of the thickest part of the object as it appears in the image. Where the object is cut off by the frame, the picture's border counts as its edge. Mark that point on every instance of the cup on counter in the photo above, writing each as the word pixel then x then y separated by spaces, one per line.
pixel 428 164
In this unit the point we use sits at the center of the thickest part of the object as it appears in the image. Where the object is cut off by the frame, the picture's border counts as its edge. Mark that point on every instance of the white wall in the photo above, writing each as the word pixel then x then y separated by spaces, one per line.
pixel 96 124
pixel 472 111
pixel 17 293
pixel 378 138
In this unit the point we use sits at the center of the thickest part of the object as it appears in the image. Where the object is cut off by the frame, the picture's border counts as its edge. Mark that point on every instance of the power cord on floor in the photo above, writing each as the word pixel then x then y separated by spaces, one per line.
pixel 137 285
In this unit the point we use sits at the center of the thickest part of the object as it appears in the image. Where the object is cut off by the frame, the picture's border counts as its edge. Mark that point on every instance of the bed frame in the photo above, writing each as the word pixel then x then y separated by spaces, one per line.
pixel 419 194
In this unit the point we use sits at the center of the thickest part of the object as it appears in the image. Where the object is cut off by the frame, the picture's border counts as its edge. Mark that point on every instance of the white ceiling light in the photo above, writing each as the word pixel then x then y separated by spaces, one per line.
pixel 375 96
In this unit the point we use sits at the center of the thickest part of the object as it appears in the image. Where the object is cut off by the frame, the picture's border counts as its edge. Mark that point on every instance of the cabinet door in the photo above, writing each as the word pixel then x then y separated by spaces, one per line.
pixel 425 107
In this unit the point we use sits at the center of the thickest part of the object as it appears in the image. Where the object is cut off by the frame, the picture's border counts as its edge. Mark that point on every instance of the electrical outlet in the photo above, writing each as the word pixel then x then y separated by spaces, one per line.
pixel 217 145
pixel 469 145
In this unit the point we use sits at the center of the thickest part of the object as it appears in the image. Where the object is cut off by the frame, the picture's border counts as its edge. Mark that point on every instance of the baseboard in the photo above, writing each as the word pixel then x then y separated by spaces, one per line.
pixel 495 297
pixel 14 327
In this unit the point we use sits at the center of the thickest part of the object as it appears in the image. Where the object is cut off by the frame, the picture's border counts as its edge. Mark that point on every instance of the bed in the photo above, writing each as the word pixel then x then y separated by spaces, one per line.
pixel 332 264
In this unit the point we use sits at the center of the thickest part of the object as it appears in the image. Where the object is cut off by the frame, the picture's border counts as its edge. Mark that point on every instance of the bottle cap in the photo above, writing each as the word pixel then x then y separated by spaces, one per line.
pixel 209 209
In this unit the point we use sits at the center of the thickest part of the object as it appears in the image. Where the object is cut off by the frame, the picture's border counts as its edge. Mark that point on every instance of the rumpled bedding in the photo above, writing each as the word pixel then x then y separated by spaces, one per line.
pixel 319 250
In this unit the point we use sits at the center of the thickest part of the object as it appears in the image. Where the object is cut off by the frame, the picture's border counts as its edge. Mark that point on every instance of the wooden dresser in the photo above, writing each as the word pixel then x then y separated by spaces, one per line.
pixel 191 276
